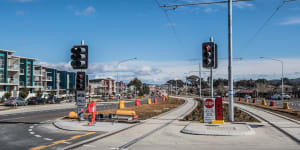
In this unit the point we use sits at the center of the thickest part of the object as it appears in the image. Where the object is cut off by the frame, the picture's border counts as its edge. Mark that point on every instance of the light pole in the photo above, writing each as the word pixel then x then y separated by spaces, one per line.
pixel 186 84
pixel 122 61
pixel 282 89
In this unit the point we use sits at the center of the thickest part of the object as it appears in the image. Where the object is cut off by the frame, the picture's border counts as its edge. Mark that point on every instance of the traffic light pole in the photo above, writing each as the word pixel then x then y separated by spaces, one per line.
pixel 211 76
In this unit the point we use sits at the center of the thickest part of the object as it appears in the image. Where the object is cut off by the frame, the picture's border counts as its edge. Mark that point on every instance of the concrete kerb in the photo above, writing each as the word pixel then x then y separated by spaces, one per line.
pixel 115 132
pixel 228 129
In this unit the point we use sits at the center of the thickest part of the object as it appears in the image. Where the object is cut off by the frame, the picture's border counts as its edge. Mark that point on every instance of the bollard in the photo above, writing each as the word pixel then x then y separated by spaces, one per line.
pixel 240 99
pixel 155 100
pixel 93 113
pixel 137 102
pixel 246 100
pixel 263 102
pixel 254 101
pixel 272 103
pixel 149 101
pixel 286 105
pixel 163 98
pixel 121 104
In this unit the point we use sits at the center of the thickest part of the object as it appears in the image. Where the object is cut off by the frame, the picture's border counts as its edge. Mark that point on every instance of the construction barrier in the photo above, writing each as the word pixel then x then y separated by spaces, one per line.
pixel 286 105
pixel 73 115
pixel 263 102
pixel 246 100
pixel 137 102
pixel 93 113
pixel 272 103
pixel 149 101
pixel 121 104
pixel 162 98
pixel 254 101
pixel 217 122
pixel 155 100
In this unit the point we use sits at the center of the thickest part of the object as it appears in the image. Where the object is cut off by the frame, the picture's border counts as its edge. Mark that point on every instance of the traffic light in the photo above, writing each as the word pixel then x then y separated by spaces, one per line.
pixel 209 55
pixel 80 81
pixel 79 57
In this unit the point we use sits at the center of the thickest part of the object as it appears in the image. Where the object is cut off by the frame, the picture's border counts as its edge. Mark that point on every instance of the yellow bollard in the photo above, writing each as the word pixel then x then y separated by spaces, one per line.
pixel 263 102
pixel 149 101
pixel 73 115
pixel 246 100
pixel 122 104
pixel 286 105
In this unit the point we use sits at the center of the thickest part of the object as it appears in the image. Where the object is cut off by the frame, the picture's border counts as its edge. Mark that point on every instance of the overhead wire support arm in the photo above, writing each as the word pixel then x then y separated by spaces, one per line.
pixel 203 3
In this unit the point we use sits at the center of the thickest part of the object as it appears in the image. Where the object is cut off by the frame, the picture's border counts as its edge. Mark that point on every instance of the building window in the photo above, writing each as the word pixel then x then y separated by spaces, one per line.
pixel 1 76
pixel 2 61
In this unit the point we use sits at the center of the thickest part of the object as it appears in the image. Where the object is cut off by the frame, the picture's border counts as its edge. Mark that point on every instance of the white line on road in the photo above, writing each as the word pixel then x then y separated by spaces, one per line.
pixel 47 139
pixel 67 142
pixel 38 136
pixel 31 132
pixel 89 145
pixel 31 127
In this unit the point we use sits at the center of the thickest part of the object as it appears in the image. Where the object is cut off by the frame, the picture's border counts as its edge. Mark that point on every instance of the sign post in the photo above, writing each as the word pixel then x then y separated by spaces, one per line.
pixel 209 110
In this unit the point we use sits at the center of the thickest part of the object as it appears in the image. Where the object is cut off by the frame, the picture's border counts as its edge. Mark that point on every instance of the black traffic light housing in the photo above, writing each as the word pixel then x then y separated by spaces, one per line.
pixel 79 57
pixel 80 81
pixel 209 55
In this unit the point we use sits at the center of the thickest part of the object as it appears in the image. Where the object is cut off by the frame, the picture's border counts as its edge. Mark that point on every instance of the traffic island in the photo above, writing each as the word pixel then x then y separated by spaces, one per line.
pixel 290 113
pixel 143 112
pixel 239 115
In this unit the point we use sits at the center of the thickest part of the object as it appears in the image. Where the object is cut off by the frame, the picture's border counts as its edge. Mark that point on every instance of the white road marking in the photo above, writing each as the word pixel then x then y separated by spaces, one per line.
pixel 89 145
pixel 38 136
pixel 31 132
pixel 47 139
pixel 31 127
pixel 67 142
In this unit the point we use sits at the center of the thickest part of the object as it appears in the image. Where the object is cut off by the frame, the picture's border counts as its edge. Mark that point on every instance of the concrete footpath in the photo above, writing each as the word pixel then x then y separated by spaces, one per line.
pixel 164 132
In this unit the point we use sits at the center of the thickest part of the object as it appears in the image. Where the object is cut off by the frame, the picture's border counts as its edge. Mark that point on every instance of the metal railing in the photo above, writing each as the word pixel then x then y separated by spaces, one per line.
pixel 13 67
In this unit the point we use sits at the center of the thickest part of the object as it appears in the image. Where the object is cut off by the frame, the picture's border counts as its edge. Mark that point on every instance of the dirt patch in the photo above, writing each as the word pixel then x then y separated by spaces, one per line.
pixel 290 113
pixel 146 111
pixel 239 116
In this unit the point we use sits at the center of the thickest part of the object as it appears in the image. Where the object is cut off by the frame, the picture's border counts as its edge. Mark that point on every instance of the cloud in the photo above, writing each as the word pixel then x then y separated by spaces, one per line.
pixel 243 5
pixel 20 13
pixel 291 21
pixel 160 72
pixel 86 12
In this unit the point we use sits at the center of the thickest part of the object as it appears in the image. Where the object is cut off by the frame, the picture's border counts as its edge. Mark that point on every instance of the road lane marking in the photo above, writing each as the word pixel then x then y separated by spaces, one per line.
pixel 86 145
pixel 47 139
pixel 67 141
pixel 31 132
pixel 38 136
pixel 31 127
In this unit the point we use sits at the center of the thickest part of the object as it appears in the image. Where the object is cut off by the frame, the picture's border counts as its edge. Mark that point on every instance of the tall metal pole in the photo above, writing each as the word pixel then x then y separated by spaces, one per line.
pixel 230 78
pixel 200 86
pixel 211 76
pixel 282 80
pixel 186 84
pixel 176 89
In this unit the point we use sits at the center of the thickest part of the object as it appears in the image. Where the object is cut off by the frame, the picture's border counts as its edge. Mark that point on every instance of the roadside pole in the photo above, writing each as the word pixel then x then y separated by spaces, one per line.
pixel 200 86
pixel 230 79
pixel 211 76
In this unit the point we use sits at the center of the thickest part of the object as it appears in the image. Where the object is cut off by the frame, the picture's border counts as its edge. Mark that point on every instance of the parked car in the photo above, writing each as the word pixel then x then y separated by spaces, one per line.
pixel 35 100
pixel 247 96
pixel 15 101
pixel 280 96
pixel 53 100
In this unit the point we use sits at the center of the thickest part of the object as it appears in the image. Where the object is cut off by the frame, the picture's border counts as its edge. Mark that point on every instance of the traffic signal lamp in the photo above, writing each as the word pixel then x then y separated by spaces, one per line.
pixel 209 55
pixel 80 81
pixel 79 57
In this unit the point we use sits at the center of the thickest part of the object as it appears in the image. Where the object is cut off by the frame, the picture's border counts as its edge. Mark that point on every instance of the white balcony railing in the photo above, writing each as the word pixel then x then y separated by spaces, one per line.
pixel 13 81
pixel 37 72
pixel 38 84
pixel 13 67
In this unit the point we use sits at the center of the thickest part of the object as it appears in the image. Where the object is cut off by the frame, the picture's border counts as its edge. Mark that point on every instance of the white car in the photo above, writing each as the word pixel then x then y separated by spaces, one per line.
pixel 280 96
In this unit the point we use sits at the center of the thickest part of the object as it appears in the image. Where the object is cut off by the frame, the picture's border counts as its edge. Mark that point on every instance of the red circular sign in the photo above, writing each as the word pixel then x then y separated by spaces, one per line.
pixel 209 103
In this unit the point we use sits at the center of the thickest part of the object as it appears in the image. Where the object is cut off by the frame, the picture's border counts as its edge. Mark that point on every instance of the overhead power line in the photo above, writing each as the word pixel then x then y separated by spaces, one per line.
pixel 202 3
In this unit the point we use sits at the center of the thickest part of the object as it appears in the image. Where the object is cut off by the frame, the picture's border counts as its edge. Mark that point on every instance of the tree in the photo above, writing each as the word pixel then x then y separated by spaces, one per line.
pixel 146 89
pixel 23 93
pixel 7 95
pixel 137 84
pixel 180 83
pixel 39 93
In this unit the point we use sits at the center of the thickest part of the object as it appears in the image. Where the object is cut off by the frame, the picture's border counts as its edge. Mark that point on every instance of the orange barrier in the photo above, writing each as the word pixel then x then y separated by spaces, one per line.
pixel 254 101
pixel 155 100
pixel 272 103
pixel 93 113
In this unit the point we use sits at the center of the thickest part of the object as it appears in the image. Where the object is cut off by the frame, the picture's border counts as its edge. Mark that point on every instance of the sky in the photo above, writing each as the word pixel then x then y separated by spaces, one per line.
pixel 166 47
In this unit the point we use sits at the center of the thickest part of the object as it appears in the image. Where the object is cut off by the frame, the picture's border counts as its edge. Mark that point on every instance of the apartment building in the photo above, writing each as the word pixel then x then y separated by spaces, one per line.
pixel 102 87
pixel 18 73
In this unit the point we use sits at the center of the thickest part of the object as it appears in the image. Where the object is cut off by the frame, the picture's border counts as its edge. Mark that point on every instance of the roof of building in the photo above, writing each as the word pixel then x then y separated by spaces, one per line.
pixel 34 59
pixel 100 79
pixel 9 51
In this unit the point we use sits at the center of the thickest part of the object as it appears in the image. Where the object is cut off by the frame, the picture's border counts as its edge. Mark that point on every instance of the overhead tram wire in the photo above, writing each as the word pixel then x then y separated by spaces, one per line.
pixel 170 23
pixel 267 21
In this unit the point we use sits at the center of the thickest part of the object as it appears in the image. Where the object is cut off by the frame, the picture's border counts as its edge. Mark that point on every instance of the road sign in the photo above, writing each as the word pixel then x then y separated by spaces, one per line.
pixel 209 110
pixel 80 98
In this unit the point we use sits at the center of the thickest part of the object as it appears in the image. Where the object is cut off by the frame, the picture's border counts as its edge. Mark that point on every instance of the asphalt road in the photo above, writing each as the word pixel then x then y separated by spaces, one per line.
pixel 35 129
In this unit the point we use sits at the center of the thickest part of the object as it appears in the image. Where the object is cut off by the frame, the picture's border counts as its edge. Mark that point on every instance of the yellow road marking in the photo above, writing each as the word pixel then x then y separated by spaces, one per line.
pixel 61 141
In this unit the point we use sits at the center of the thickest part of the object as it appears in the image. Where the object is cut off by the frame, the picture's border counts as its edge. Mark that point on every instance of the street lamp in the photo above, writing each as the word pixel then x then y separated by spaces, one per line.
pixel 281 73
pixel 122 61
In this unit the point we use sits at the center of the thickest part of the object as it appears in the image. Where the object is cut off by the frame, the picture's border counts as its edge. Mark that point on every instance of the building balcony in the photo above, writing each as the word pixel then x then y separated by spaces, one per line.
pixel 13 68
pixel 49 79
pixel 37 73
pixel 10 82
pixel 38 84
pixel 1 65
pixel 22 72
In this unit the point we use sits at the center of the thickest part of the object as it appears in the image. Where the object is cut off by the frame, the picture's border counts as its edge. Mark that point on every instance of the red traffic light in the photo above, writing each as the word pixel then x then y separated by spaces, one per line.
pixel 207 47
